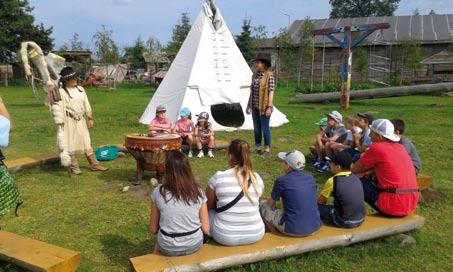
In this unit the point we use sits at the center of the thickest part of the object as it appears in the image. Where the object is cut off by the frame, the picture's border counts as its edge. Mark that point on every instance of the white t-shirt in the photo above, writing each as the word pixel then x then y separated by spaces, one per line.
pixel 243 218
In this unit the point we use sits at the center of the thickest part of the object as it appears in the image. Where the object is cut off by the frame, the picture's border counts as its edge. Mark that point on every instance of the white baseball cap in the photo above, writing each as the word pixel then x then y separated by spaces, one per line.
pixel 294 158
pixel 336 116
pixel 385 128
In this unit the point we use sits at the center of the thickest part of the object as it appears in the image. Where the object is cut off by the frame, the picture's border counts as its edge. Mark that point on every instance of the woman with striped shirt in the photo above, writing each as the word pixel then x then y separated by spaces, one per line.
pixel 241 223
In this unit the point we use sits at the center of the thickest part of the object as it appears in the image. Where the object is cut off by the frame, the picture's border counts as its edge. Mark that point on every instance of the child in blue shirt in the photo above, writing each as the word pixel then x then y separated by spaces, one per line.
pixel 297 189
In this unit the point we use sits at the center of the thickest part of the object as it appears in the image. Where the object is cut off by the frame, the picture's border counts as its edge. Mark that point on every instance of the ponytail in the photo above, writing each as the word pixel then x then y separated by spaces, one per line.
pixel 239 152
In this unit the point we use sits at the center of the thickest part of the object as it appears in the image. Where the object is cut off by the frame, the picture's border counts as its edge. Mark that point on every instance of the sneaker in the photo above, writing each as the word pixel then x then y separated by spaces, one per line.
pixel 210 155
pixel 258 152
pixel 324 168
pixel 190 155
pixel 200 155
pixel 266 152
pixel 317 163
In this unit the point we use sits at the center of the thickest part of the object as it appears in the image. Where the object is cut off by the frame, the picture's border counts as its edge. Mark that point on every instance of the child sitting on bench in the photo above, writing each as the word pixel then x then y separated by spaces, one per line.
pixel 185 128
pixel 348 210
pixel 204 135
pixel 361 141
pixel 161 123
pixel 179 214
pixel 352 129
pixel 333 133
pixel 297 189
pixel 407 143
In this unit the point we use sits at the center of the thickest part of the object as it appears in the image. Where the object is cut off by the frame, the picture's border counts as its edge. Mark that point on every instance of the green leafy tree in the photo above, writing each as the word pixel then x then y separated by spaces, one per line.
pixel 360 61
pixel 305 45
pixel 416 12
pixel 286 53
pixel 245 41
pixel 17 24
pixel 180 32
pixel 432 12
pixel 75 42
pixel 362 8
pixel 134 54
pixel 106 49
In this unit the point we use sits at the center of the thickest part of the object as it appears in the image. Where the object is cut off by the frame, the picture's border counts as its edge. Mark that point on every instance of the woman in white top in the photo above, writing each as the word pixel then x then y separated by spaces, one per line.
pixel 241 223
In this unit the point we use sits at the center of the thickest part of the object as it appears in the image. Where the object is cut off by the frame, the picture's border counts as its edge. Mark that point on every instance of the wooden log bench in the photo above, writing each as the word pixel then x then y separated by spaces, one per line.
pixel 424 182
pixel 214 256
pixel 36 255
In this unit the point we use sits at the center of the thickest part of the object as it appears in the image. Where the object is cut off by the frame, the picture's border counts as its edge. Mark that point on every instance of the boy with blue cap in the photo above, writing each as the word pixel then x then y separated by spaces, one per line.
pixel 184 127
pixel 297 189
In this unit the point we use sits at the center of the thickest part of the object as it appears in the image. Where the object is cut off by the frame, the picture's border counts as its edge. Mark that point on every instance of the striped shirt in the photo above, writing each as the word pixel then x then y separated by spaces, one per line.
pixel 256 88
pixel 243 219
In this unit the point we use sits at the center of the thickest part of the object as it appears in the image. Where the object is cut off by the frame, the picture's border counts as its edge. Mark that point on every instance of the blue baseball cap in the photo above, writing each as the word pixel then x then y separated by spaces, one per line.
pixel 184 112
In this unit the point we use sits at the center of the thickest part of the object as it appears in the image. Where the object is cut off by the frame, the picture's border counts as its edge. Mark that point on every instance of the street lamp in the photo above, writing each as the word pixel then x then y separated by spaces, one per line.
pixel 289 18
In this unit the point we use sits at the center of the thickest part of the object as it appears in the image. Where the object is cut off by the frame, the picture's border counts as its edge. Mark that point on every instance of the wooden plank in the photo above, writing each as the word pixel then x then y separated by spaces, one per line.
pixel 214 256
pixel 31 161
pixel 424 182
pixel 36 255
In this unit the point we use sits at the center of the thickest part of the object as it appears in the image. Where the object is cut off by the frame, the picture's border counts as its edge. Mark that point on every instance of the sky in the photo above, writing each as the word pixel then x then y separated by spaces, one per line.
pixel 132 18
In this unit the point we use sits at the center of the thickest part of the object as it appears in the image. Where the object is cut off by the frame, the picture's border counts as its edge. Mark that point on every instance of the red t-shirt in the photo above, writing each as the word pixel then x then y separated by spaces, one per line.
pixel 394 169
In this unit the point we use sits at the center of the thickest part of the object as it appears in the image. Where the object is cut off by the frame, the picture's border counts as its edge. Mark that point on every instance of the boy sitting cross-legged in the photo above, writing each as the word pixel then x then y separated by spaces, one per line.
pixel 348 210
pixel 333 133
pixel 297 189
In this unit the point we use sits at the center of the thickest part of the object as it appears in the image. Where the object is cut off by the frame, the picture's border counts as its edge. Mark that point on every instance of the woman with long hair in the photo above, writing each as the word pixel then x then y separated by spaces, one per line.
pixel 179 214
pixel 233 199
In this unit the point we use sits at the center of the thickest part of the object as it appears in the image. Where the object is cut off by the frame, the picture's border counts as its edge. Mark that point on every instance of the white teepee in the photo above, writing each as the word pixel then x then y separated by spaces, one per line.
pixel 209 69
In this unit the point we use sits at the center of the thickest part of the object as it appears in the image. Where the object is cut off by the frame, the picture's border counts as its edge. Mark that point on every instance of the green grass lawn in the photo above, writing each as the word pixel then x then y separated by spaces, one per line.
pixel 89 213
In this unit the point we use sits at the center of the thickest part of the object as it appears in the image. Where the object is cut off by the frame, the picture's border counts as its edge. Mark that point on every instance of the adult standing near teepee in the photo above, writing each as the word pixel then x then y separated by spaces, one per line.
pixel 261 100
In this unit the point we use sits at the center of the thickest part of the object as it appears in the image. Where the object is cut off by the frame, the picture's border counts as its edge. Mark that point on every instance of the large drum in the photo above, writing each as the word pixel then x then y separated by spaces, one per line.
pixel 150 151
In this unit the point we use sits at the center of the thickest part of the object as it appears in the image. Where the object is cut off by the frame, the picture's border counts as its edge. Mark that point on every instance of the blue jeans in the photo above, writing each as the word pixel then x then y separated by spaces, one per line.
pixel 261 127
pixel 328 213
pixel 371 192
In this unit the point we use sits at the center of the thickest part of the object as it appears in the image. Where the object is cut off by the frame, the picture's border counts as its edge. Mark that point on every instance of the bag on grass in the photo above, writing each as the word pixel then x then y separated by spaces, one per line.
pixel 107 153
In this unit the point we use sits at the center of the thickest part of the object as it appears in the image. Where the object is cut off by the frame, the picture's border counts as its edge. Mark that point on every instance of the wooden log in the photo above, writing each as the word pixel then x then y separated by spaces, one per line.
pixel 213 256
pixel 424 182
pixel 375 93
pixel 36 255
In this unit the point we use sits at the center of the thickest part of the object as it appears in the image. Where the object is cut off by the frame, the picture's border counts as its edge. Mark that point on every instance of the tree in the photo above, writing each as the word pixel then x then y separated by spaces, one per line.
pixel 360 61
pixel 286 53
pixel 106 49
pixel 75 42
pixel 306 44
pixel 432 12
pixel 18 25
pixel 260 32
pixel 416 12
pixel 134 54
pixel 362 8
pixel 180 32
pixel 245 41
pixel 153 45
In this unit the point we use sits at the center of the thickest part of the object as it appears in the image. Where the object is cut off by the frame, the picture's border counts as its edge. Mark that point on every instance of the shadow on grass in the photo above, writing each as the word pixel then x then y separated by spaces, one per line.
pixel 119 249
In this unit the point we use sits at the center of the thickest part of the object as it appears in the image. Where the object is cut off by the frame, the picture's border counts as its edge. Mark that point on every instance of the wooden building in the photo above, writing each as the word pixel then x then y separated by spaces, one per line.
pixel 390 53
